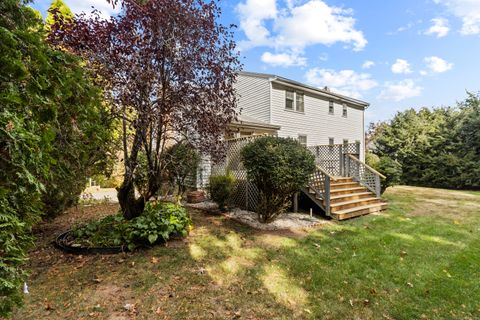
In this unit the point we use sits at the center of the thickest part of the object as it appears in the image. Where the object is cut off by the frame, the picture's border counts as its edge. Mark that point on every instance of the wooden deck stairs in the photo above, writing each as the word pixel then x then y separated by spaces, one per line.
pixel 348 199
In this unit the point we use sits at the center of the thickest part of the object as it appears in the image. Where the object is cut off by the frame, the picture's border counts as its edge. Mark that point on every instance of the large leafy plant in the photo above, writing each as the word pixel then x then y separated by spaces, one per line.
pixel 158 223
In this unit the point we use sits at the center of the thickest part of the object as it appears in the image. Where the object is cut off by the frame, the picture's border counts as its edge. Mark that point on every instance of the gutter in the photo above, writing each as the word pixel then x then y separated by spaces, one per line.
pixel 325 93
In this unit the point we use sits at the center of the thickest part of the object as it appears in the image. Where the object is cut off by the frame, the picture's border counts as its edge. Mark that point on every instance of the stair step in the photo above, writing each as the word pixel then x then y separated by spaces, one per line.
pixel 334 207
pixel 343 185
pixel 350 196
pixel 359 211
pixel 342 179
pixel 347 190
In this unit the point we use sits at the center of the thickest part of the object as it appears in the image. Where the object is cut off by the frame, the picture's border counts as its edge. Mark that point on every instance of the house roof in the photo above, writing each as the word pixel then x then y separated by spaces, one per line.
pixel 323 92
pixel 246 121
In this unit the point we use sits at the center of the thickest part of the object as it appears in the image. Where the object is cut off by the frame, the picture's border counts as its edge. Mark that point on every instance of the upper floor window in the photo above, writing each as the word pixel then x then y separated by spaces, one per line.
pixel 330 107
pixel 302 139
pixel 294 100
pixel 289 99
pixel 344 110
pixel 299 102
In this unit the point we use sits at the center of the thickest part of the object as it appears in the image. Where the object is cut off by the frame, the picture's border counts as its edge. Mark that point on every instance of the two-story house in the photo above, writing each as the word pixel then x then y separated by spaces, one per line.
pixel 276 105
pixel 330 125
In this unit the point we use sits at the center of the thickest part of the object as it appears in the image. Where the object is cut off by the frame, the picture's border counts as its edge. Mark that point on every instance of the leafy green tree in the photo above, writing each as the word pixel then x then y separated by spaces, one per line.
pixel 437 148
pixel 61 9
pixel 279 167
pixel 181 163
pixel 53 130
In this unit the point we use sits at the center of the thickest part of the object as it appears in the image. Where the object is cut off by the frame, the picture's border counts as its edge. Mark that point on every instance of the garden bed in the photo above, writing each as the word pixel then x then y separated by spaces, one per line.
pixel 284 222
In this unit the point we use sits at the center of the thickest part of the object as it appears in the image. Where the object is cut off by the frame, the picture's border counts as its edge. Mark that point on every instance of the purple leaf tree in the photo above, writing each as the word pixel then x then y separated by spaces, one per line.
pixel 168 69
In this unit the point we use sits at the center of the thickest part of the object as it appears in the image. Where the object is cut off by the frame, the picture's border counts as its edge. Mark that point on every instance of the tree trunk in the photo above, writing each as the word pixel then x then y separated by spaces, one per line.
pixel 131 207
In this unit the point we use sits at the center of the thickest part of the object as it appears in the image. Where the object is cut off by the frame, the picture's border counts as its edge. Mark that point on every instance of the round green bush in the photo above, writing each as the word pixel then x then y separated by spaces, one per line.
pixel 221 188
pixel 279 167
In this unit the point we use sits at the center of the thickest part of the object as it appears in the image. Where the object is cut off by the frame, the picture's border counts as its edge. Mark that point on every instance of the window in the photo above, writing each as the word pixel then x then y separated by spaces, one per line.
pixel 299 105
pixel 331 141
pixel 345 141
pixel 302 139
pixel 344 110
pixel 294 100
pixel 289 99
pixel 330 107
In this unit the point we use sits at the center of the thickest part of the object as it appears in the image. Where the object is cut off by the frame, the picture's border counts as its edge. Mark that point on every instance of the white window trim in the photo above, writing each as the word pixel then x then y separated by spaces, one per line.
pixel 344 110
pixel 295 108
pixel 332 103
pixel 306 139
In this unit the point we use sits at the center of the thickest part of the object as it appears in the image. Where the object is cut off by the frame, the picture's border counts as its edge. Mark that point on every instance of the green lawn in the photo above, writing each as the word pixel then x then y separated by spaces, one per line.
pixel 418 260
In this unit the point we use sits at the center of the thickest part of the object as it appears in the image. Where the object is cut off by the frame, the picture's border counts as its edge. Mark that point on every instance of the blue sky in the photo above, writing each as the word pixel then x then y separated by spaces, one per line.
pixel 393 54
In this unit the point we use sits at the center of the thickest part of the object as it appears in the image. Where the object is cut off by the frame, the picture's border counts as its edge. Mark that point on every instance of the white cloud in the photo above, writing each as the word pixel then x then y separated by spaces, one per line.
pixel 105 8
pixel 401 90
pixel 283 59
pixel 438 65
pixel 368 64
pixel 439 27
pixel 316 23
pixel 401 66
pixel 297 25
pixel 347 82
pixel 468 11
pixel 252 20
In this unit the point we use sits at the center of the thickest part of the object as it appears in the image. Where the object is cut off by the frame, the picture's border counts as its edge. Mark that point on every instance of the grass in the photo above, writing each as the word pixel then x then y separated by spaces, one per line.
pixel 418 260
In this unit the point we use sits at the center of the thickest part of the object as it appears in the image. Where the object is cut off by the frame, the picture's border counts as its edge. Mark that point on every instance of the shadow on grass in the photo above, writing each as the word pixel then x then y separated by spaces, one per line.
pixel 393 265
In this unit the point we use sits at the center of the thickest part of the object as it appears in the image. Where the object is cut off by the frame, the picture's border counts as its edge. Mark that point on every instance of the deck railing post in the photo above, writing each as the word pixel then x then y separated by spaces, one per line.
pixel 341 159
pixel 378 188
pixel 327 196
pixel 347 165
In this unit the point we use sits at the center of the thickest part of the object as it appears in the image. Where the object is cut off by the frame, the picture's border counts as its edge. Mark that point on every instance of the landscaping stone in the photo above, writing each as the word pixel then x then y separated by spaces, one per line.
pixel 283 222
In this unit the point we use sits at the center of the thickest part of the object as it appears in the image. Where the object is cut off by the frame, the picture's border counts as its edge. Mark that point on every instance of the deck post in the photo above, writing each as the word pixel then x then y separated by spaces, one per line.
pixel 347 166
pixel 378 186
pixel 341 160
pixel 327 196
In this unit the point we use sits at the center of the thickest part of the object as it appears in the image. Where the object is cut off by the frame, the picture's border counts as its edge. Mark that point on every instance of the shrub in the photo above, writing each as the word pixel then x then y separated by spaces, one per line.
pixel 53 132
pixel 221 188
pixel 388 167
pixel 279 167
pixel 157 224
pixel 372 159
pixel 182 161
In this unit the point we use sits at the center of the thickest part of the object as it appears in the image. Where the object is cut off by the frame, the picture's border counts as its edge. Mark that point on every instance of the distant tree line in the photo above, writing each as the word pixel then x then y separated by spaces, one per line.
pixel 434 148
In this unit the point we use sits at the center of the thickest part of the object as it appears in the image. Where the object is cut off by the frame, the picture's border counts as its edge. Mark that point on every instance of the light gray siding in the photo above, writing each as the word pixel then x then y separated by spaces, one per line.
pixel 315 122
pixel 254 96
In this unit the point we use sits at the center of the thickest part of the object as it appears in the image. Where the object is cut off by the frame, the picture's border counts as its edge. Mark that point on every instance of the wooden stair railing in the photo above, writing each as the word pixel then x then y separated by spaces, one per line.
pixel 346 197
pixel 319 182
pixel 363 174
